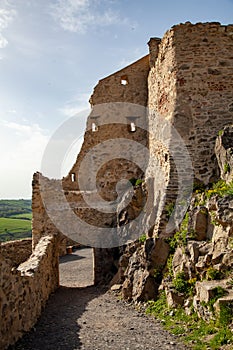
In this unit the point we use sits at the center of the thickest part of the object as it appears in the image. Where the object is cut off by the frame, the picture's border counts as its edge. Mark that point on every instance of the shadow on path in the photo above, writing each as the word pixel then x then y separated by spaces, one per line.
pixel 58 328
pixel 70 257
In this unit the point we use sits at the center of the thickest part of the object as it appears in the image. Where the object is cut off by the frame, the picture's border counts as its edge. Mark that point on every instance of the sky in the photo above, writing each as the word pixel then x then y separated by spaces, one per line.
pixel 52 54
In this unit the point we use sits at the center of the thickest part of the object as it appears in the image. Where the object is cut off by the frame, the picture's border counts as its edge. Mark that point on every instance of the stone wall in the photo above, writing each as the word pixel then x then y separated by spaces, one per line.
pixel 25 289
pixel 16 252
pixel 186 82
pixel 191 85
pixel 127 85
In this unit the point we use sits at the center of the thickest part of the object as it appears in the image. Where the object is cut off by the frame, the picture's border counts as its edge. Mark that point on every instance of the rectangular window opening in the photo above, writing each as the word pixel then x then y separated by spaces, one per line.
pixel 73 177
pixel 94 127
pixel 132 127
pixel 124 80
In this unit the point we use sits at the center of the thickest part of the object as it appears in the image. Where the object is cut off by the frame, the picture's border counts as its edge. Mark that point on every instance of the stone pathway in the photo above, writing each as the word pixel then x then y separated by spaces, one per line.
pixel 82 316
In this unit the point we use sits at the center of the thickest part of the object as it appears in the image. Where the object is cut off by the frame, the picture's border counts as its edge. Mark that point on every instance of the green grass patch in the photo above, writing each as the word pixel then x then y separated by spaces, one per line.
pixel 25 216
pixel 11 229
pixel 14 225
pixel 191 329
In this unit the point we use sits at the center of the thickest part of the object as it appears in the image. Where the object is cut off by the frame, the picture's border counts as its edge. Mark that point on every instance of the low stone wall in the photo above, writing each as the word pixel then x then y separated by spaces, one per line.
pixel 16 252
pixel 24 290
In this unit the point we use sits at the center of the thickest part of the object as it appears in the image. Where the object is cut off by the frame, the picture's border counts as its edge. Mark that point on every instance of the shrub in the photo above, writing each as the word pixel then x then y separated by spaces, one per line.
pixel 213 274
pixel 180 283
pixel 142 238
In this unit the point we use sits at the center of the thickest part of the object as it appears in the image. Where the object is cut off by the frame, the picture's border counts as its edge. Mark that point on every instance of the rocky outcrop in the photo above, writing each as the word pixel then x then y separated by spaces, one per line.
pixel 194 267
pixel 224 152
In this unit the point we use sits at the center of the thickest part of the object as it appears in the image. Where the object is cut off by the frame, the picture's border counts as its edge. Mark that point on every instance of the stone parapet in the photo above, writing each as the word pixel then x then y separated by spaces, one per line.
pixel 24 290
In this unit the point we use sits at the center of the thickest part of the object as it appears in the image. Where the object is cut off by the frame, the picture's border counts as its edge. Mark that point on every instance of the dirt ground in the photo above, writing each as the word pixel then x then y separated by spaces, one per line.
pixel 82 316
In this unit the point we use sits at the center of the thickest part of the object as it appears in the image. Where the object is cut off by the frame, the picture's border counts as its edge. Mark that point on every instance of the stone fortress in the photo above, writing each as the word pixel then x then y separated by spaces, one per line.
pixel 186 79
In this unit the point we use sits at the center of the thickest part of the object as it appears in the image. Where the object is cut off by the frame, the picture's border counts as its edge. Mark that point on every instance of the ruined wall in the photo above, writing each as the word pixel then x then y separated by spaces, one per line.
pixel 112 122
pixel 16 252
pixel 47 192
pixel 127 85
pixel 190 90
pixel 191 84
pixel 186 80
pixel 24 290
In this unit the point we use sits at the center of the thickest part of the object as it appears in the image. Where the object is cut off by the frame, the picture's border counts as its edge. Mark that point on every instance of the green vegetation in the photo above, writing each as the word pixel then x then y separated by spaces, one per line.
pixel 180 237
pixel 15 219
pixel 142 238
pixel 136 182
pixel 218 292
pixel 10 207
pixel 226 314
pixel 220 188
pixel 226 168
pixel 220 132
pixel 213 274
pixel 169 209
pixel 203 335
pixel 26 216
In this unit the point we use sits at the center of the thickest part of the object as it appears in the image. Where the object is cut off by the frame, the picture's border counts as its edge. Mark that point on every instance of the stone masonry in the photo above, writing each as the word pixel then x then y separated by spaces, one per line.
pixel 187 80
pixel 24 289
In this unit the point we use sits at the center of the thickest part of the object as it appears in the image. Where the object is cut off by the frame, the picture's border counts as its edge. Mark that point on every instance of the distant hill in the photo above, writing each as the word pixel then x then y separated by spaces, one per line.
pixel 15 219
pixel 9 207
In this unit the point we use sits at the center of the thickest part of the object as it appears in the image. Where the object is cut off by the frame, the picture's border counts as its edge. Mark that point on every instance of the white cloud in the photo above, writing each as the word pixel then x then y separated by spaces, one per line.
pixel 79 15
pixel 76 105
pixel 24 145
pixel 3 41
pixel 6 17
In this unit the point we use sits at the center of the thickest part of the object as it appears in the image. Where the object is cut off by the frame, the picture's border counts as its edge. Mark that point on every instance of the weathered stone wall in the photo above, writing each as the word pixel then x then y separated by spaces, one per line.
pixel 24 290
pixel 16 252
pixel 127 85
pixel 45 192
pixel 191 85
pixel 186 80
pixel 112 121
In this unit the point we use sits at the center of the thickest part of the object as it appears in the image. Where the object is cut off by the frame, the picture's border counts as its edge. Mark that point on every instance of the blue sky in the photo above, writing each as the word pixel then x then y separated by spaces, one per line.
pixel 52 54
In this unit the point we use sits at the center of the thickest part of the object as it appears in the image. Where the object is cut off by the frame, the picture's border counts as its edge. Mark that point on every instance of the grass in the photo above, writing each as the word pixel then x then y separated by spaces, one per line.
pixel 26 216
pixel 14 225
pixel 191 329
pixel 15 219
pixel 220 188
pixel 11 229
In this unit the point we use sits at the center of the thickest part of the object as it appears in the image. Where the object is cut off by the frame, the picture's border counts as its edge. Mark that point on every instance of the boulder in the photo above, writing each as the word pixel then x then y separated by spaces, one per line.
pixel 198 223
pixel 205 289
pixel 144 286
pixel 224 152
pixel 174 299
pixel 224 213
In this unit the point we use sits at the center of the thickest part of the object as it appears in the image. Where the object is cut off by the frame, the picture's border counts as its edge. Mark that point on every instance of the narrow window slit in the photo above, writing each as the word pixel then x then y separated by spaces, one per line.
pixel 132 127
pixel 94 127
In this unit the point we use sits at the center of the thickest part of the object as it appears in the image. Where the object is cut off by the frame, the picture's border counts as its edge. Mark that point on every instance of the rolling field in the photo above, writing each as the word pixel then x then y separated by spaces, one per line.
pixel 14 225
pixel 15 219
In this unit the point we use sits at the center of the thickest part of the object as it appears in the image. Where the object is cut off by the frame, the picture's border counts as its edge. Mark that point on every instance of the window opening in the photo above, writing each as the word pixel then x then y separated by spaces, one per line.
pixel 94 127
pixel 124 80
pixel 132 127
pixel 132 124
pixel 94 123
pixel 73 177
